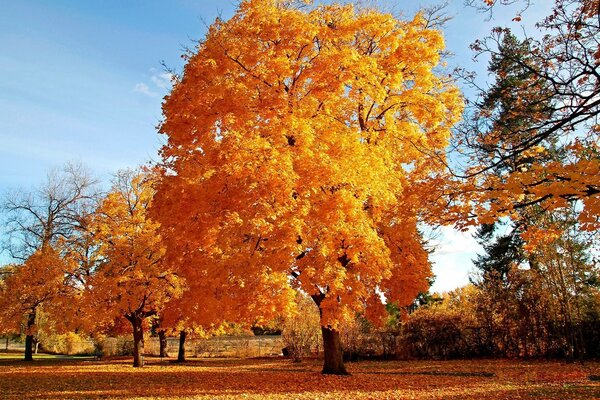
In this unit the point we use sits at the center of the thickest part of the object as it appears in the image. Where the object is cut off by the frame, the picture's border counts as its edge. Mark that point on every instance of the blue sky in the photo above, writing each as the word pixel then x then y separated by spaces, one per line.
pixel 82 80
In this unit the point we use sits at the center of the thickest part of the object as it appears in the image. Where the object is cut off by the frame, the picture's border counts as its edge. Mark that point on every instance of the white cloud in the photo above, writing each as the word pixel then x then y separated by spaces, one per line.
pixel 162 80
pixel 452 258
pixel 452 241
pixel 159 83
pixel 144 89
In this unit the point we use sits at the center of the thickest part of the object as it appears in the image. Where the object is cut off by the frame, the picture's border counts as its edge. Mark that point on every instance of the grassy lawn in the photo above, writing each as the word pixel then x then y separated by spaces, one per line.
pixel 279 379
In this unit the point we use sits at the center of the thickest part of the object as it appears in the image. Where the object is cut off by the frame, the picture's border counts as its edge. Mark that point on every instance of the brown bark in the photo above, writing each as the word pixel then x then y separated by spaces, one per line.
pixel 333 362
pixel 333 355
pixel 138 340
pixel 29 338
pixel 162 340
pixel 181 353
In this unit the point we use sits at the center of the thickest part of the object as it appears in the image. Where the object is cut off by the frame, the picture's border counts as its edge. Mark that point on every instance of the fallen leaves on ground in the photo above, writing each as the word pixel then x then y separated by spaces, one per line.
pixel 279 379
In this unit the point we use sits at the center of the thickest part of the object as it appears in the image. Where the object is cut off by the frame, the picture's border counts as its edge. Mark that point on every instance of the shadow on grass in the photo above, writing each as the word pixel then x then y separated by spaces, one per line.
pixel 43 359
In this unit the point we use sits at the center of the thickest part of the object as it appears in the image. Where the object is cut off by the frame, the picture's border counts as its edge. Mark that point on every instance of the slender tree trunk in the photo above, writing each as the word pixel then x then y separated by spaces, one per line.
pixel 7 344
pixel 333 363
pixel 138 340
pixel 181 353
pixel 162 340
pixel 29 337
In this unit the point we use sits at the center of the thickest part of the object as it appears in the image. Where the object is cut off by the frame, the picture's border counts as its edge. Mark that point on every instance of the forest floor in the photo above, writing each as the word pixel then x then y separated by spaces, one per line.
pixel 66 378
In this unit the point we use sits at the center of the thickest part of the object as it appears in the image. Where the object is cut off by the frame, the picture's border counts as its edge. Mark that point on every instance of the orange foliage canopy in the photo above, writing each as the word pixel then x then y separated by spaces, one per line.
pixel 28 287
pixel 296 139
pixel 131 279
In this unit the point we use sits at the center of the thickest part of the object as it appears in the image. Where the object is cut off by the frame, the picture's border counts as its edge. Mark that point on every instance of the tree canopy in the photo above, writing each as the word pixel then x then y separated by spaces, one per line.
pixel 295 152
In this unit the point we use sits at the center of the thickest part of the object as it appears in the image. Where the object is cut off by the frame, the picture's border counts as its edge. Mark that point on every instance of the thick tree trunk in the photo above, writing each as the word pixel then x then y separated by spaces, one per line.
pixel 333 363
pixel 138 340
pixel 333 354
pixel 29 337
pixel 181 353
pixel 162 340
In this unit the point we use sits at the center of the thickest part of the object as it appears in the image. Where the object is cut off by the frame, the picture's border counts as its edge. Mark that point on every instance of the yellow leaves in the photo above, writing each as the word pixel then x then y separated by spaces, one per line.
pixel 38 282
pixel 133 276
pixel 306 127
pixel 540 236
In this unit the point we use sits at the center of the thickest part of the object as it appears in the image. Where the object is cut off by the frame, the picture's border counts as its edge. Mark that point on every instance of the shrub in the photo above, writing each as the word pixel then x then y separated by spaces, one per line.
pixel 434 332
pixel 69 343
pixel 302 331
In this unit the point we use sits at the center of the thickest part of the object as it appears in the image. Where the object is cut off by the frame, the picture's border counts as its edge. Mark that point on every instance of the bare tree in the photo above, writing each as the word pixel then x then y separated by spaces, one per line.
pixel 53 212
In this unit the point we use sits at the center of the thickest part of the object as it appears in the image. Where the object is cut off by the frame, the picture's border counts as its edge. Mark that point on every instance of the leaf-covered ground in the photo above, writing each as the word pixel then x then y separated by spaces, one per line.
pixel 279 379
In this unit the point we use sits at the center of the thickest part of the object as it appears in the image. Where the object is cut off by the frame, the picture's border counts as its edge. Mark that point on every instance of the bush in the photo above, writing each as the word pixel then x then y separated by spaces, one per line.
pixel 113 346
pixel 302 331
pixel 433 332
pixel 69 343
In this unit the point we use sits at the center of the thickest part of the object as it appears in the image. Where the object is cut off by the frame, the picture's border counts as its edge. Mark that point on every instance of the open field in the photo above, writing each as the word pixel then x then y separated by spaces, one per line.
pixel 279 379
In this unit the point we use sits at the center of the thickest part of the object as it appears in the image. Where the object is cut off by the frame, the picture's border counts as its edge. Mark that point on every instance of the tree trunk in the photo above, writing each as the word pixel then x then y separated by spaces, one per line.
pixel 181 353
pixel 29 337
pixel 333 363
pixel 138 340
pixel 334 357
pixel 162 339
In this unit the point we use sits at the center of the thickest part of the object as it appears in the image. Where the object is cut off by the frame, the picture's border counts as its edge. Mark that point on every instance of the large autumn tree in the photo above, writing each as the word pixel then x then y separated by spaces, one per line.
pixel 131 280
pixel 297 136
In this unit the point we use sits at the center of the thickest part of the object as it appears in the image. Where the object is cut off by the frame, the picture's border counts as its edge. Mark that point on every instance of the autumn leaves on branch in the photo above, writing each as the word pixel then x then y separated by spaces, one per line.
pixel 304 147
pixel 532 137
pixel 289 136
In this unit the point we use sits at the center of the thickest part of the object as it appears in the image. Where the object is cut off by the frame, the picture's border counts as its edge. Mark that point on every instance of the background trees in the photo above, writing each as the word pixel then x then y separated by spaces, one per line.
pixel 49 214
pixel 532 144
pixel 313 176
pixel 553 87
pixel 38 226
pixel 131 281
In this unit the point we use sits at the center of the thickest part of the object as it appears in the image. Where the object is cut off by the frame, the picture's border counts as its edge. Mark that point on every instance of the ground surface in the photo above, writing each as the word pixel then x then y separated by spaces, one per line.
pixel 281 379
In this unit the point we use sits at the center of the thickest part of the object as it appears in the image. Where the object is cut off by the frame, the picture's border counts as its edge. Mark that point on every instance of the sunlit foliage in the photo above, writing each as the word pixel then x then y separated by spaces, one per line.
pixel 296 140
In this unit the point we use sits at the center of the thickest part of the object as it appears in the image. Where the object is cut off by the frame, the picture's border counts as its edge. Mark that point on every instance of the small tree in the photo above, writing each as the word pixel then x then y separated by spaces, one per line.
pixel 38 225
pixel 132 280
pixel 28 287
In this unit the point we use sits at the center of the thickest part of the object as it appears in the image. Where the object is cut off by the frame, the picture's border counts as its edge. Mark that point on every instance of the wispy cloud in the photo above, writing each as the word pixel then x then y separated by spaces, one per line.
pixel 144 89
pixel 452 241
pixel 162 80
pixel 155 84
